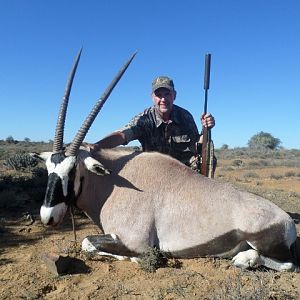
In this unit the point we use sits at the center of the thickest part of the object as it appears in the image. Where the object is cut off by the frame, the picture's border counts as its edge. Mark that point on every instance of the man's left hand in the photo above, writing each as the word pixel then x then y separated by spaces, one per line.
pixel 208 120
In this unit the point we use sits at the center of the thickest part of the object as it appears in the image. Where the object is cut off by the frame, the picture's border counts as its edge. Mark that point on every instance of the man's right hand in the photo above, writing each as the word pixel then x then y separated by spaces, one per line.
pixel 92 147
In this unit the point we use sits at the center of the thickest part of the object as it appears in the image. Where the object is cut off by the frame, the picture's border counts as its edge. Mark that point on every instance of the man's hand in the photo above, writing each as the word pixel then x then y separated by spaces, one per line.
pixel 92 147
pixel 208 120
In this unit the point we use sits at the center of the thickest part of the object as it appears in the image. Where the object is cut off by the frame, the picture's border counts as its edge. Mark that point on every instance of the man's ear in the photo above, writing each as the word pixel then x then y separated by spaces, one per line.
pixel 175 94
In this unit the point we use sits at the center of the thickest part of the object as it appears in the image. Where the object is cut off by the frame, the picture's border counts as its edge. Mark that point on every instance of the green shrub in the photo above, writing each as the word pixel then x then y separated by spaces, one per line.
pixel 264 140
pixel 276 176
pixel 290 174
pixel 253 164
pixel 20 162
pixel 293 194
pixel 251 175
pixel 224 147
pixel 237 163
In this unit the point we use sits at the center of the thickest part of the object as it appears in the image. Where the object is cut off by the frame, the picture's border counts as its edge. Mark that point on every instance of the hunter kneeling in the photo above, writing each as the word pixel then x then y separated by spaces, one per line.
pixel 164 127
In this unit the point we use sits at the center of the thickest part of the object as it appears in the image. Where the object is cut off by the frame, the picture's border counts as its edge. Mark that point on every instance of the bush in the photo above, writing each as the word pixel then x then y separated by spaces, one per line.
pixel 251 175
pixel 10 139
pixel 224 147
pixel 264 140
pixel 276 176
pixel 258 164
pixel 23 191
pixel 237 163
pixel 20 162
pixel 290 174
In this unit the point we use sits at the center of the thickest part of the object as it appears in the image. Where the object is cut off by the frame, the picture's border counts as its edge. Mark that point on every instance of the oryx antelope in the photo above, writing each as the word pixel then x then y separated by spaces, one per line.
pixel 150 199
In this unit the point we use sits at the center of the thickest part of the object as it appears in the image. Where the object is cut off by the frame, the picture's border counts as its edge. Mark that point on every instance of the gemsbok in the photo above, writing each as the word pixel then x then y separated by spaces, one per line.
pixel 141 200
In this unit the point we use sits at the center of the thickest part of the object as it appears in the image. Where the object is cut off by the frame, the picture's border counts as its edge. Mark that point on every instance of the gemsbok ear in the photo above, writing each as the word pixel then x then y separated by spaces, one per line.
pixel 96 167
pixel 100 170
pixel 41 156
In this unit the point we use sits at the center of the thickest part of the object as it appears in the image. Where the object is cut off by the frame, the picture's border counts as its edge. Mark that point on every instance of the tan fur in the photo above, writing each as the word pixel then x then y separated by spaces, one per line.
pixel 152 199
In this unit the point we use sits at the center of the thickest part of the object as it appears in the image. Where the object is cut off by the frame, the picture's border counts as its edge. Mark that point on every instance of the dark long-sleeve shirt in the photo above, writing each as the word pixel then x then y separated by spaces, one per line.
pixel 177 137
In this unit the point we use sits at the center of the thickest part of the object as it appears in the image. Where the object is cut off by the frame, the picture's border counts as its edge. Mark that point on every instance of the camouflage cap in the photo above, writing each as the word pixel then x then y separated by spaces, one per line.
pixel 163 81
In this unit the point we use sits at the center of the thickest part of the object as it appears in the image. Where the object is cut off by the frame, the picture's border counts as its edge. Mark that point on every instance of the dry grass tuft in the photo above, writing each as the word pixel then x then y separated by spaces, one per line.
pixel 153 259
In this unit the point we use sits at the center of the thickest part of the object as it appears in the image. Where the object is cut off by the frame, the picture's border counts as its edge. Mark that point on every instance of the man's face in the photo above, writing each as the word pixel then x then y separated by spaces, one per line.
pixel 163 100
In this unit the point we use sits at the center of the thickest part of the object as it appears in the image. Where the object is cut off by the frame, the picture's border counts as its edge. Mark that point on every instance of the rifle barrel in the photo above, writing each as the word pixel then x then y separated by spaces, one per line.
pixel 206 79
pixel 207 71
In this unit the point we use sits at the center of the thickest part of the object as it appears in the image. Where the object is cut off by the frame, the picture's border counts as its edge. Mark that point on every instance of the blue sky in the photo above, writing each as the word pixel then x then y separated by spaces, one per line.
pixel 255 69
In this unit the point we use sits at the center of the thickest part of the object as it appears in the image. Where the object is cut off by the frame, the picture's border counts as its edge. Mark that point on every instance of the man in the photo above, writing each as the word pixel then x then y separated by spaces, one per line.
pixel 163 127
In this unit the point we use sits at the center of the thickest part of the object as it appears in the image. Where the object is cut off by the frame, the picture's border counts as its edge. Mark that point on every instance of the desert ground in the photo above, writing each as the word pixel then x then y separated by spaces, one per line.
pixel 25 244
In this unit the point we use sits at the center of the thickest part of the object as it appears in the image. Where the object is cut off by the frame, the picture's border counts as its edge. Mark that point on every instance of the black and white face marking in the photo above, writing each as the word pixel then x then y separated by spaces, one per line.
pixel 59 190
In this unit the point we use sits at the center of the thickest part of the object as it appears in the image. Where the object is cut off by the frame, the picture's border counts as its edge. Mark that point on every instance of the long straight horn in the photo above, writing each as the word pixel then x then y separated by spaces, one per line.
pixel 59 132
pixel 73 148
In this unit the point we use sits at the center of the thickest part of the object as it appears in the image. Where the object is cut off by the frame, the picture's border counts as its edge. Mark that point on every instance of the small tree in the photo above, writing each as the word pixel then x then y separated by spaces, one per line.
pixel 264 140
pixel 224 147
pixel 10 139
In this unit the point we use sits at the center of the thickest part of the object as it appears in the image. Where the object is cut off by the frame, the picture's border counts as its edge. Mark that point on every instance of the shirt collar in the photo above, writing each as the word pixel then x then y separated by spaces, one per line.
pixel 158 118
pixel 173 119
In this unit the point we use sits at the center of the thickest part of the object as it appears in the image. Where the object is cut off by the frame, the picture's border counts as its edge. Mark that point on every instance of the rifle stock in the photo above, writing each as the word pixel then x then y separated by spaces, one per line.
pixel 207 151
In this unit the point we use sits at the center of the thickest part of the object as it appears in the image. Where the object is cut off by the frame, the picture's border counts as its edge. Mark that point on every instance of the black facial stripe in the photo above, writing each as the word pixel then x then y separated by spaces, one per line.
pixel 54 192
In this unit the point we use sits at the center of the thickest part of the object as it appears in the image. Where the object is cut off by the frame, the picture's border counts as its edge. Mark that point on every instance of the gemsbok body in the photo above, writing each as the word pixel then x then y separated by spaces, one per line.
pixel 141 200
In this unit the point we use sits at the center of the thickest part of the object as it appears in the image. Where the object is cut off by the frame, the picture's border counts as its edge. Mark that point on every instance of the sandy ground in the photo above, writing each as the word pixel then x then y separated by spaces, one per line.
pixel 25 275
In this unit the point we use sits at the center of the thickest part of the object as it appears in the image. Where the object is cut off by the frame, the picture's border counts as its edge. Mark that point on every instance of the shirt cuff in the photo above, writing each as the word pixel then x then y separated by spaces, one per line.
pixel 129 135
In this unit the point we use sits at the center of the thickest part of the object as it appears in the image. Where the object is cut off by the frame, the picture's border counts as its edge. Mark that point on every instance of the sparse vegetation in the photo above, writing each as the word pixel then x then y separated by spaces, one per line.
pixel 276 176
pixel 258 163
pixel 234 288
pixel 8 149
pixel 237 163
pixel 290 174
pixel 251 175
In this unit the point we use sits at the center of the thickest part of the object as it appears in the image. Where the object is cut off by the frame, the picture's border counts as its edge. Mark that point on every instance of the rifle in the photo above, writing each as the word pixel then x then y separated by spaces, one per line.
pixel 207 151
